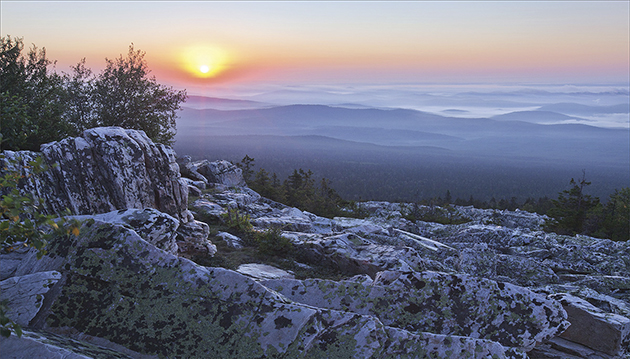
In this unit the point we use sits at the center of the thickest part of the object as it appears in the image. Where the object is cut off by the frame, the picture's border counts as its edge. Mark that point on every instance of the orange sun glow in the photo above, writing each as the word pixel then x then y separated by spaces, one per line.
pixel 204 61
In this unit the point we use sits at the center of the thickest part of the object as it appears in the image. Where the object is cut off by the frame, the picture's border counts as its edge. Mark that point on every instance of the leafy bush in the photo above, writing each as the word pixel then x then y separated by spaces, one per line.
pixel 238 221
pixel 442 215
pixel 271 242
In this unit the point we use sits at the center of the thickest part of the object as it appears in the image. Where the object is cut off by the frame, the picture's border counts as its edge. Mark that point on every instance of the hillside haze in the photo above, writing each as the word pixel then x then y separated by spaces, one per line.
pixel 383 152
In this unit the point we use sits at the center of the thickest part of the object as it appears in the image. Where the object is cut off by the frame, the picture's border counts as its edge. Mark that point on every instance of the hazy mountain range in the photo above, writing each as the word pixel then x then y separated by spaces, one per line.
pixel 542 140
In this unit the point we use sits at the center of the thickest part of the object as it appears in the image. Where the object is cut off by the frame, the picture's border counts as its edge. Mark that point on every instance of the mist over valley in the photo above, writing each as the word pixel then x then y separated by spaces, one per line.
pixel 409 143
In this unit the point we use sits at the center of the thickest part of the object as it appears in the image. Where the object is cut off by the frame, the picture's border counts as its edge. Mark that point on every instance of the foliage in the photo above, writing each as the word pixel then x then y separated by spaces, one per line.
pixel 38 105
pixel 237 221
pixel 572 209
pixel 125 96
pixel 298 190
pixel 614 217
pixel 246 165
pixel 24 224
pixel 271 242
pixel 31 98
pixel 442 215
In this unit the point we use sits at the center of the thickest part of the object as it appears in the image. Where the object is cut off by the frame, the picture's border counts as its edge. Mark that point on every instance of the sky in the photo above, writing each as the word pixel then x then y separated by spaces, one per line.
pixel 196 44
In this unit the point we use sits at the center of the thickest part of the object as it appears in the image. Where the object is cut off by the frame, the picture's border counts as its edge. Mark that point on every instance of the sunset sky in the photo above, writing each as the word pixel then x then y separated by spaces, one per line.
pixel 198 43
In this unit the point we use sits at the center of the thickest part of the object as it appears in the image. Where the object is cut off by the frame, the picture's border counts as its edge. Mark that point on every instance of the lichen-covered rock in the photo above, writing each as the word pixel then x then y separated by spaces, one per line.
pixel 222 172
pixel 208 210
pixel 189 170
pixel 230 239
pixel 108 168
pixel 192 239
pixel 594 328
pixel 438 303
pixel 155 227
pixel 352 254
pixel 25 294
pixel 118 287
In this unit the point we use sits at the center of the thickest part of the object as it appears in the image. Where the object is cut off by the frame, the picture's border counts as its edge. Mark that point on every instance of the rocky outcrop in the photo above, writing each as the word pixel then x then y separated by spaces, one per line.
pixel 438 303
pixel 180 309
pixel 505 247
pixel 106 169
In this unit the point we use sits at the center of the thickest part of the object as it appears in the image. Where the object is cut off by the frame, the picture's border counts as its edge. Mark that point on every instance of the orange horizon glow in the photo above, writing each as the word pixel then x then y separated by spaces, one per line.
pixel 222 42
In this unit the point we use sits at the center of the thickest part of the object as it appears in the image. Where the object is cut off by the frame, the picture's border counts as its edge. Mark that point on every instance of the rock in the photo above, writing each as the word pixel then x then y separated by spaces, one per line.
pixel 38 344
pixel 189 170
pixel 222 172
pixel 438 303
pixel 194 191
pixel 155 227
pixel 288 219
pixel 25 294
pixel 118 287
pixel 106 169
pixel 594 328
pixel 351 254
pixel 208 210
pixel 558 348
pixel 485 262
pixel 230 239
pixel 263 271
pixel 193 239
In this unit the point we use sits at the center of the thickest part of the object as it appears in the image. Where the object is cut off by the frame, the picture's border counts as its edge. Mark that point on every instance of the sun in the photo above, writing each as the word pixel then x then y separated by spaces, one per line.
pixel 204 61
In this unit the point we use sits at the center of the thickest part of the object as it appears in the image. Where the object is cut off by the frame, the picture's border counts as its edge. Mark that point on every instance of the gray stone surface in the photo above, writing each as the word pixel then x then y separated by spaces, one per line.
pixel 222 172
pixel 594 328
pixel 155 227
pixel 438 303
pixel 106 169
pixel 41 345
pixel 119 287
pixel 263 271
pixel 25 294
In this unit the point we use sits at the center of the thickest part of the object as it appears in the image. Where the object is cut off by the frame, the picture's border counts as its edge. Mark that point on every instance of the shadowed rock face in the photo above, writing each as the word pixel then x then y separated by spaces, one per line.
pixel 106 169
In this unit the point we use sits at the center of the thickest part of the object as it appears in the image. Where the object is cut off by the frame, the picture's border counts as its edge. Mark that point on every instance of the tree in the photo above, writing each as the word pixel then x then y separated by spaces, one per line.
pixel 572 208
pixel 616 216
pixel 246 164
pixel 79 89
pixel 38 105
pixel 125 96
pixel 32 101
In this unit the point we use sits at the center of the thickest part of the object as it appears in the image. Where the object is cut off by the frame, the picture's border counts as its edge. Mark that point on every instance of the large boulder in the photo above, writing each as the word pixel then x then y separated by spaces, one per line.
pixel 221 172
pixel 594 328
pixel 155 227
pixel 106 169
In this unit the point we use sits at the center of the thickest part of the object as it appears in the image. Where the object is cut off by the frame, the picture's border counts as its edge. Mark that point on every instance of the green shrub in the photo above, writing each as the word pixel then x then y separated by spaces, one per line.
pixel 238 221
pixel 271 242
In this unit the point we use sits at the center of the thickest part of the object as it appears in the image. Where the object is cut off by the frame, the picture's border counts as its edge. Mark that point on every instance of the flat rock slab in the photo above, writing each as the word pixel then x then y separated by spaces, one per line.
pixel 594 328
pixel 263 271
pixel 120 288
